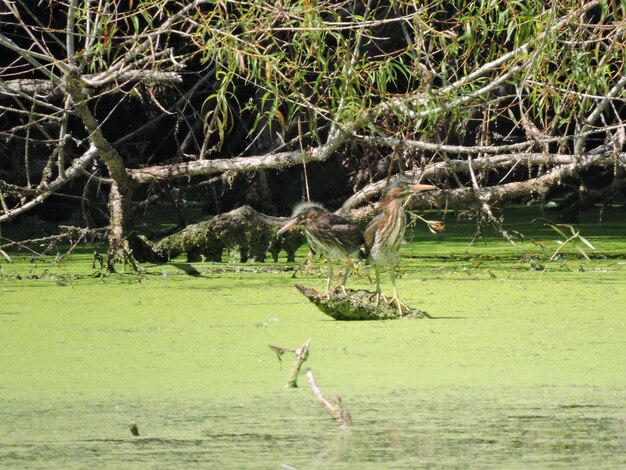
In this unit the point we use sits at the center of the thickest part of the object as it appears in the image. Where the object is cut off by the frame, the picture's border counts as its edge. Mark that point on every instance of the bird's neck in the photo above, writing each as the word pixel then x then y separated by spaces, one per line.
pixel 393 206
pixel 394 212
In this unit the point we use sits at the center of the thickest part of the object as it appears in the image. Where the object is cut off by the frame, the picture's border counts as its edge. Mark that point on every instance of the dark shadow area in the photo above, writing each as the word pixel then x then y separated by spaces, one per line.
pixel 187 269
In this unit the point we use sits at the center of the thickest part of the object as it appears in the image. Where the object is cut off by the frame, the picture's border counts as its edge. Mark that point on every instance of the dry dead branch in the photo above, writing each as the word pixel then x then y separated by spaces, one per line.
pixel 302 353
pixel 338 410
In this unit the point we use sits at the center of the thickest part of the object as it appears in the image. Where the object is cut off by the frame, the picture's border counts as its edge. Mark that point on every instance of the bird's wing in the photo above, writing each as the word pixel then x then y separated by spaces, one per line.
pixel 348 235
pixel 334 219
pixel 370 232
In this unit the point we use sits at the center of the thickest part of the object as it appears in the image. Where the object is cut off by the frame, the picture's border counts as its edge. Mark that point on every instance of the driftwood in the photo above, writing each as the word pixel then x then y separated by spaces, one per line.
pixel 249 231
pixel 356 305
pixel 302 353
pixel 338 410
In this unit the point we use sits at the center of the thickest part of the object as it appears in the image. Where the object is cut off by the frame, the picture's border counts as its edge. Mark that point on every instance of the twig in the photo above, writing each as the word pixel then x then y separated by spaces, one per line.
pixel 302 353
pixel 338 410
pixel 68 232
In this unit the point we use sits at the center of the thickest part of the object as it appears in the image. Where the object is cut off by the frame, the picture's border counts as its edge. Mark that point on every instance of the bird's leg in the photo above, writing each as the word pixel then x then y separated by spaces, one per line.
pixel 346 273
pixel 396 298
pixel 330 276
pixel 378 291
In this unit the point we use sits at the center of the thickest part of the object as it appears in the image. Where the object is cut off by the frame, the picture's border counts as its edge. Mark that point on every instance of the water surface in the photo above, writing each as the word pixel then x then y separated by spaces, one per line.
pixel 520 369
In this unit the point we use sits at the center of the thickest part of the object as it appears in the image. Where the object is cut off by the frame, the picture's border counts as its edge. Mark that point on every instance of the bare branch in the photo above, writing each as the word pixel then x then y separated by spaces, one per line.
pixel 75 169
pixel 238 164
pixel 302 354
pixel 338 410
pixel 46 88
pixel 597 112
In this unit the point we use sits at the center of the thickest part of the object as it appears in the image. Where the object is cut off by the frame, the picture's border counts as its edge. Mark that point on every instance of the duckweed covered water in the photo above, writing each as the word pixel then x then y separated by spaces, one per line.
pixel 520 369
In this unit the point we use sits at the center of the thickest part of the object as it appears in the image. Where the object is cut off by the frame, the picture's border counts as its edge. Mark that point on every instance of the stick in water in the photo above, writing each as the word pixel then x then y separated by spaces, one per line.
pixel 302 353
pixel 339 411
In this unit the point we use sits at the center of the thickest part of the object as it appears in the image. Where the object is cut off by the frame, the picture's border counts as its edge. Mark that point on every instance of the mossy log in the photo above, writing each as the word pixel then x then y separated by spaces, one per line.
pixel 253 234
pixel 357 305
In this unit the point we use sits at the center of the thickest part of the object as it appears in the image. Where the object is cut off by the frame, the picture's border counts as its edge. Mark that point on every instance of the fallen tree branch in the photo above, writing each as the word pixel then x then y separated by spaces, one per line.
pixel 277 160
pixel 493 162
pixel 566 166
pixel 338 410
pixel 253 233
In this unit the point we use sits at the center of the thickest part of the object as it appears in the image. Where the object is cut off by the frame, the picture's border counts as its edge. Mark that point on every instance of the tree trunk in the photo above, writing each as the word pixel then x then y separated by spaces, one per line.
pixel 120 198
pixel 120 210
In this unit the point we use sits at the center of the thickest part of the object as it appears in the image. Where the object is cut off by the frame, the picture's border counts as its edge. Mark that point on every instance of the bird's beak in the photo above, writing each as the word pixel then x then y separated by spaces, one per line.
pixel 416 188
pixel 291 223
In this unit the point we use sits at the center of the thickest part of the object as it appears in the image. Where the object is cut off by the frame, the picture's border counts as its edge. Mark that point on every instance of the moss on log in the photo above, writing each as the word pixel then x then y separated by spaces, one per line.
pixel 251 233
pixel 356 305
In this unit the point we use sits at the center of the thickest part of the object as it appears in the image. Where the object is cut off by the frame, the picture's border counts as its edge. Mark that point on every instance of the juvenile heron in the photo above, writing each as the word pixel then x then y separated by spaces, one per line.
pixel 328 234
pixel 384 233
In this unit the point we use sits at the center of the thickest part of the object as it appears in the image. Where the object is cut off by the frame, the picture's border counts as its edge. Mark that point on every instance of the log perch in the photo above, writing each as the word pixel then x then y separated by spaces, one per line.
pixel 356 305
pixel 338 410
pixel 251 232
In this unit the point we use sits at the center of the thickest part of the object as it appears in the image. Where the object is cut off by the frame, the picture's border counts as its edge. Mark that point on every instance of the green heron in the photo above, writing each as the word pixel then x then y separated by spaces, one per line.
pixel 328 234
pixel 384 233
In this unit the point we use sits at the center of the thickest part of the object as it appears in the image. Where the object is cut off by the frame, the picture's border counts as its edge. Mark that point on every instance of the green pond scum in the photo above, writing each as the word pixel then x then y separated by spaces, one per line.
pixel 523 364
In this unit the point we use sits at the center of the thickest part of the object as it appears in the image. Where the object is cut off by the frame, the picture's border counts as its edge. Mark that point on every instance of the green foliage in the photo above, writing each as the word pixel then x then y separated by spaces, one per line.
pixel 308 56
pixel 106 30
pixel 319 64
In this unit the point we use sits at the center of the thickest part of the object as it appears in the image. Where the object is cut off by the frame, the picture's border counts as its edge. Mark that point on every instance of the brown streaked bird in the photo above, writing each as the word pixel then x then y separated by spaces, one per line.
pixel 384 233
pixel 328 234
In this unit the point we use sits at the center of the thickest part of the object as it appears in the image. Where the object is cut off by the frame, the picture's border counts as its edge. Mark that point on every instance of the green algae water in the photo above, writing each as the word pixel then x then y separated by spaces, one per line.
pixel 520 368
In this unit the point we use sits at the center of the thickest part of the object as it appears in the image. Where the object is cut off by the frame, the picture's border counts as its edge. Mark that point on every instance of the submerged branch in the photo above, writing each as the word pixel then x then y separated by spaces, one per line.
pixel 302 354
pixel 338 410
